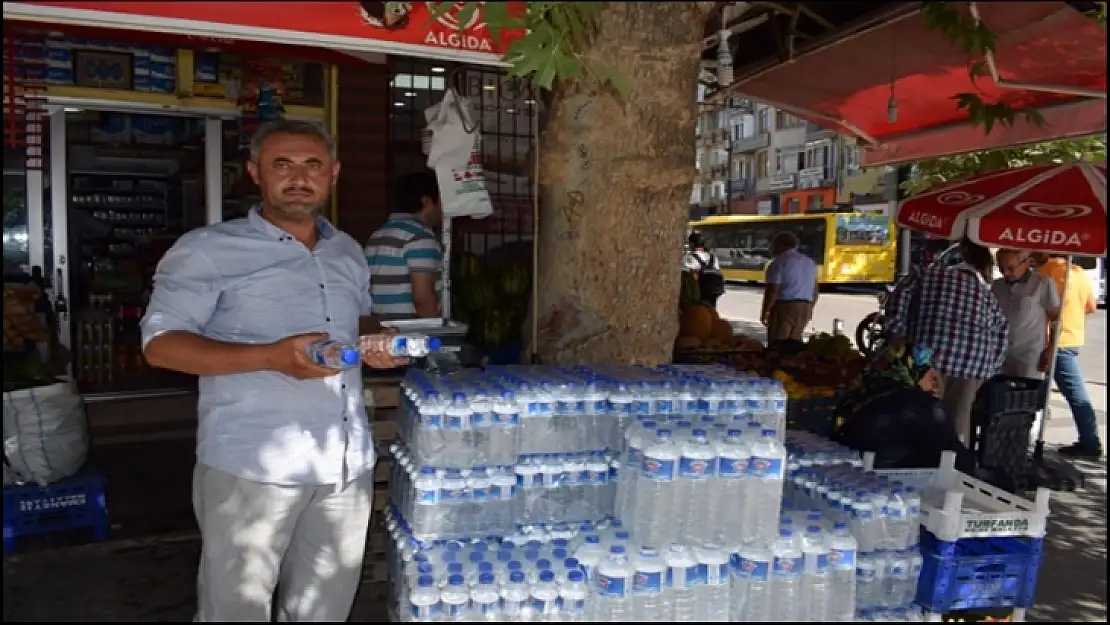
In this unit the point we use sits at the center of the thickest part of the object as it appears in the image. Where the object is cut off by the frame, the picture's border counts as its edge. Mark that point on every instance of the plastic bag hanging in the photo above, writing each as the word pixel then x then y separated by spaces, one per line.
pixel 455 154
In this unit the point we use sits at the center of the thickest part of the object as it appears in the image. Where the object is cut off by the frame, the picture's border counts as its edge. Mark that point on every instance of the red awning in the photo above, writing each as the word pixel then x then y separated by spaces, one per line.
pixel 343 26
pixel 847 84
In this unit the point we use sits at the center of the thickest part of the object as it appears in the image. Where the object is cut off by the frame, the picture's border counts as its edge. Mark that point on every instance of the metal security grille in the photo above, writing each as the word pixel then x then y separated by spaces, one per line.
pixel 506 109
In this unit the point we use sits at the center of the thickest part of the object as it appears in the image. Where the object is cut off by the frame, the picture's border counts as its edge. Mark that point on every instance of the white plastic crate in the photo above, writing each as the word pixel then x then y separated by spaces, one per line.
pixel 994 512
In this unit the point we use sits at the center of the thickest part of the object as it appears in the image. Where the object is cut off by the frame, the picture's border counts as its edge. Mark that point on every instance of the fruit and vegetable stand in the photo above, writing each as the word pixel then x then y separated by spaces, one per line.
pixel 816 374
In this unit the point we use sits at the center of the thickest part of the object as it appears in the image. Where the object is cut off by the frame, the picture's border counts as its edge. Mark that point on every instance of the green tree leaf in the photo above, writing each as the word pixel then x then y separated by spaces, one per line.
pixel 935 172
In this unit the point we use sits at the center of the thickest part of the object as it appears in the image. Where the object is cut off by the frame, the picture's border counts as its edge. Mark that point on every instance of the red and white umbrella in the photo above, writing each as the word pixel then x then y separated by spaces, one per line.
pixel 1058 209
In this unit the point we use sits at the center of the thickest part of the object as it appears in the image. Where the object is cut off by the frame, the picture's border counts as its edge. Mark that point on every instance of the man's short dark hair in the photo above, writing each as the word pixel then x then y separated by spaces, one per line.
pixel 696 240
pixel 976 255
pixel 412 188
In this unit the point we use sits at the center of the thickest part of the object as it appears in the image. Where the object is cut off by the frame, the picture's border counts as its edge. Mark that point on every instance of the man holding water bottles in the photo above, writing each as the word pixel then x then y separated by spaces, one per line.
pixel 283 484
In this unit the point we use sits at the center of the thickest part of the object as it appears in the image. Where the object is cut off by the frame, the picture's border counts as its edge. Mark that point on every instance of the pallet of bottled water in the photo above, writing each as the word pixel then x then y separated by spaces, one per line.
pixel 698 477
pixel 492 417
pixel 562 573
pixel 828 488
pixel 452 503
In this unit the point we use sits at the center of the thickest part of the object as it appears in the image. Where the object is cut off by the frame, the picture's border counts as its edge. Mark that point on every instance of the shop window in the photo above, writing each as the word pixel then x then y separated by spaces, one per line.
pixel 794 206
pixel 506 108
pixel 815 202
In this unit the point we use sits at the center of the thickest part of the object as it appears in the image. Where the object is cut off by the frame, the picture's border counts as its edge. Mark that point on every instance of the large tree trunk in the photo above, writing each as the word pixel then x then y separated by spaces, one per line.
pixel 615 182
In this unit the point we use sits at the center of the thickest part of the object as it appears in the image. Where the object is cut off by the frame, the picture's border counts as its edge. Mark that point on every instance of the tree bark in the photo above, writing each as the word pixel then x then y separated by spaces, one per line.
pixel 615 181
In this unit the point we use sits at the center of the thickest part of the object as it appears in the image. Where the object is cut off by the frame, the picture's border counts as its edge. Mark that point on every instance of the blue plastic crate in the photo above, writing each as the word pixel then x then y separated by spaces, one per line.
pixel 978 573
pixel 73 503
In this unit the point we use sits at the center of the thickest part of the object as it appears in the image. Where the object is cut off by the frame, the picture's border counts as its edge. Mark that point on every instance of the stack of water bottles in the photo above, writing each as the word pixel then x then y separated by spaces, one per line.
pixel 857 524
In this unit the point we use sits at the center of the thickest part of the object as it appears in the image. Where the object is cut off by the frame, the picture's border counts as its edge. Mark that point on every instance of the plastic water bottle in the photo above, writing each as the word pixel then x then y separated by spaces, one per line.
pixel 573 598
pixel 514 597
pixel 897 584
pixel 424 601
pixel 485 599
pixel 916 562
pixel 713 593
pixel 456 599
pixel 733 455
pixel 842 574
pixel 763 499
pixel 401 345
pixel 786 579
pixel 683 579
pixel 751 596
pixel 694 489
pixel 333 354
pixel 613 588
pixel 648 601
pixel 426 513
pixel 897 521
pixel 545 598
pixel 815 576
pixel 589 555
pixel 654 521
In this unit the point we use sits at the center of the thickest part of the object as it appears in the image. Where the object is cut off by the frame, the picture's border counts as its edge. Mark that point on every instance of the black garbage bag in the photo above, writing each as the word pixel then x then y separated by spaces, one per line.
pixel 907 429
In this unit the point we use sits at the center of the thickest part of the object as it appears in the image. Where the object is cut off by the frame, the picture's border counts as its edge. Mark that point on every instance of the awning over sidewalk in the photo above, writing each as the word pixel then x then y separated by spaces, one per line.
pixel 850 83
pixel 356 27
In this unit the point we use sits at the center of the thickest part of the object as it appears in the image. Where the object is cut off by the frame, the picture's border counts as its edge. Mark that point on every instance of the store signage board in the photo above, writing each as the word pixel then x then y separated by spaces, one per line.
pixel 354 26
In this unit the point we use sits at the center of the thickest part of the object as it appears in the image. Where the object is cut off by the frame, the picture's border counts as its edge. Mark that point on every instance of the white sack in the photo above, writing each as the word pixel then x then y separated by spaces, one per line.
pixel 456 157
pixel 46 435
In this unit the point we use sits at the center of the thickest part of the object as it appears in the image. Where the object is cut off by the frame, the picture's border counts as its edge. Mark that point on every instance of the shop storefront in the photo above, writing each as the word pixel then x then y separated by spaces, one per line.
pixel 143 113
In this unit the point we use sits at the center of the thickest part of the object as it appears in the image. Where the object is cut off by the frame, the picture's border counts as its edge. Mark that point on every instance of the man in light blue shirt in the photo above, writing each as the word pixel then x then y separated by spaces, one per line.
pixel 791 291
pixel 283 485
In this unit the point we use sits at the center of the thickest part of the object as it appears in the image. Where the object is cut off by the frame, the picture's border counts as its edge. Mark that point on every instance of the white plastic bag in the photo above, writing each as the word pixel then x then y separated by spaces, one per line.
pixel 46 436
pixel 455 153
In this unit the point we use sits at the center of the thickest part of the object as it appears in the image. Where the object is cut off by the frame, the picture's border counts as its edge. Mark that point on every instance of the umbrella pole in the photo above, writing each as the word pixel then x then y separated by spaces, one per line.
pixel 1038 447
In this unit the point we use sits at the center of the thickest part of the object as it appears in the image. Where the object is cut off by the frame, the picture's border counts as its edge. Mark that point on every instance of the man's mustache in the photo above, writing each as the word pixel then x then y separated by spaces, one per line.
pixel 298 189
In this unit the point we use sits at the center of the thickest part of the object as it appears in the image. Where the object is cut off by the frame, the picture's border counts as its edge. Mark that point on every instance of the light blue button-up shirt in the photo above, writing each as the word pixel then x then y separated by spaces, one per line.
pixel 796 275
pixel 248 281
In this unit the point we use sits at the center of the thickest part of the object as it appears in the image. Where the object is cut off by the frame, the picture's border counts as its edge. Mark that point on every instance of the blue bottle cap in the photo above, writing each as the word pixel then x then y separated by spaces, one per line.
pixel 350 357
pixel 434 343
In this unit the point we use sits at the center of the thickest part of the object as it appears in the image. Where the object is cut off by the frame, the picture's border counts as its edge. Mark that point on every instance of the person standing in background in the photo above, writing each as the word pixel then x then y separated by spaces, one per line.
pixel 791 291
pixel 703 264
pixel 952 310
pixel 1031 304
pixel 284 479
pixel 404 255
pixel 1076 304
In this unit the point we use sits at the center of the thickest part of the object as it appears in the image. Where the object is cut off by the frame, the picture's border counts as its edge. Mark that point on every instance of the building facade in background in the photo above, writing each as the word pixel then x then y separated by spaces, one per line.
pixel 753 159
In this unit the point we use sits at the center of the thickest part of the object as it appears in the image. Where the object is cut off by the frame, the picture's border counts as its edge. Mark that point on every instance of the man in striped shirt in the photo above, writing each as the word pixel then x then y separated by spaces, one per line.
pixel 404 255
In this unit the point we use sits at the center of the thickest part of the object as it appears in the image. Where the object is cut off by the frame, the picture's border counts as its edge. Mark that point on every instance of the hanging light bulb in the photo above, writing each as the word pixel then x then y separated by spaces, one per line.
pixel 724 58
pixel 891 108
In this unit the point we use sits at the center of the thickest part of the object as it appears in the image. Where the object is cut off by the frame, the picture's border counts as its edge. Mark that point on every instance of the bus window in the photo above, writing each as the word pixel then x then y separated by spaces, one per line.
pixel 862 230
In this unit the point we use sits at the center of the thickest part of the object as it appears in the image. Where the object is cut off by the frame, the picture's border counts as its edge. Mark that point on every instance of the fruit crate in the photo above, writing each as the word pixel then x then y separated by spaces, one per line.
pixel 819 415
pixel 1002 444
pixel 76 502
pixel 1003 415
pixel 1005 394
pixel 978 573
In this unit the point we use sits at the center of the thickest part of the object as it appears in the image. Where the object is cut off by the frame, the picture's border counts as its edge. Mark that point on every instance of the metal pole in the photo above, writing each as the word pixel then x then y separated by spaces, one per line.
pixel 1038 447
pixel 838 327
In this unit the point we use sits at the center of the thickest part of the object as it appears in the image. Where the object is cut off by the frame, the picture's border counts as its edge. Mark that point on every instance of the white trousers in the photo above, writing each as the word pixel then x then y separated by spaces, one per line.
pixel 305 542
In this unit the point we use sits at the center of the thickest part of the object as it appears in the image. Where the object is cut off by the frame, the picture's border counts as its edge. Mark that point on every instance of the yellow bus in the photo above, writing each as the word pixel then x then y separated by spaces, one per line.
pixel 849 248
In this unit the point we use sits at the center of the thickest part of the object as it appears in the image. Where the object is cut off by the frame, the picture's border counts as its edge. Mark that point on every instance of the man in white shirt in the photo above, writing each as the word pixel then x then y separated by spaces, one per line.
pixel 791 291
pixel 284 480
pixel 1031 304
